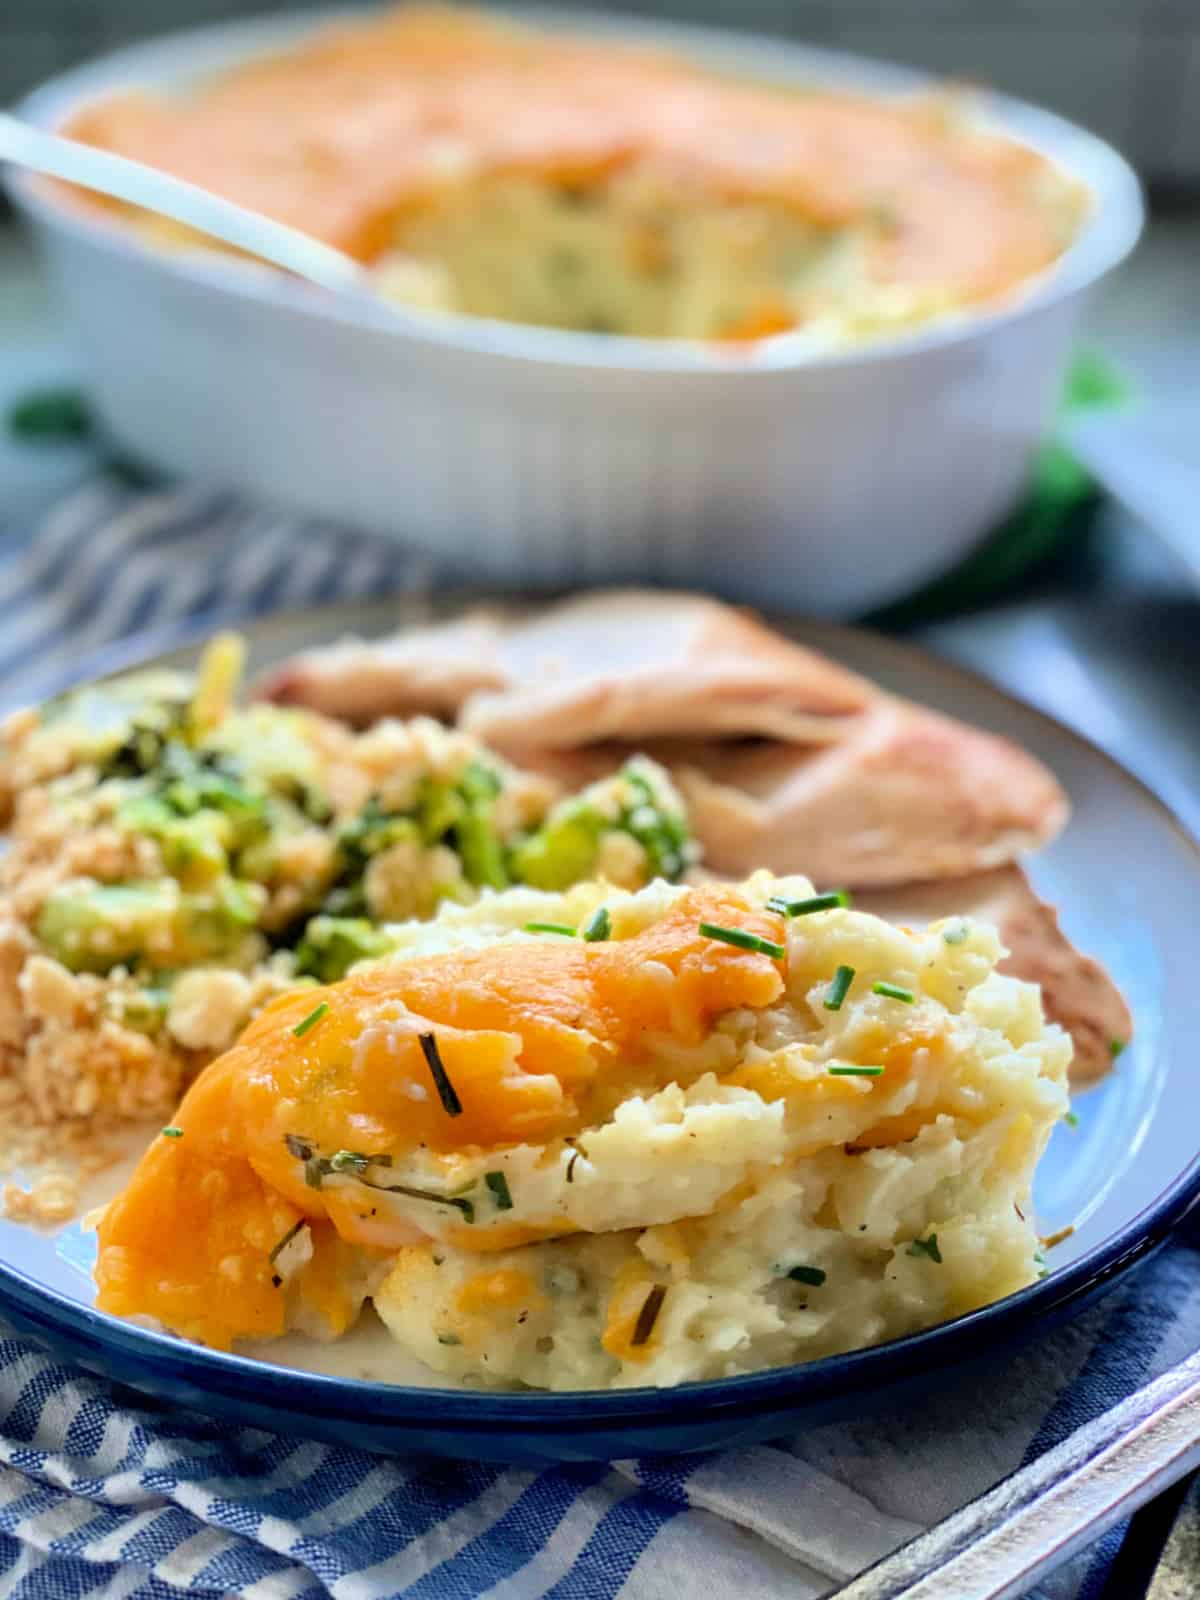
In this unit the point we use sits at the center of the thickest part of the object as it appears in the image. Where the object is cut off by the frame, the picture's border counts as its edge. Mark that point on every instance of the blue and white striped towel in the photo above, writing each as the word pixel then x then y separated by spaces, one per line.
pixel 104 1493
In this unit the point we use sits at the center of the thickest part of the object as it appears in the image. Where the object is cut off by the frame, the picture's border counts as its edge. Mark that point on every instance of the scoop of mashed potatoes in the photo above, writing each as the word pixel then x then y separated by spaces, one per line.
pixel 601 1139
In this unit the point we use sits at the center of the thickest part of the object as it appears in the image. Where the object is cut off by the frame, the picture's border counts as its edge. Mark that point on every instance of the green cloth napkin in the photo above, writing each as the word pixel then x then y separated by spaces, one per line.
pixel 1059 505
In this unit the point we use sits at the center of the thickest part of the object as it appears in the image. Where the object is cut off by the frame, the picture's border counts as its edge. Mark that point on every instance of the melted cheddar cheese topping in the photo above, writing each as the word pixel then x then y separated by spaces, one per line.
pixel 530 1035
pixel 687 1149
pixel 558 180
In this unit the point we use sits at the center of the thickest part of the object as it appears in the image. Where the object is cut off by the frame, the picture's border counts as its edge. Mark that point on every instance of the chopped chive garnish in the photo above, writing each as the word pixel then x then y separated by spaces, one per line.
pixel 855 1072
pixel 926 1247
pixel 598 926
pixel 743 939
pixel 1071 1120
pixel 1115 1046
pixel 833 901
pixel 281 1244
pixel 839 988
pixel 812 1275
pixel 448 1338
pixel 311 1020
pixel 894 992
pixel 498 1184
pixel 318 1168
pixel 648 1315
pixel 550 927
pixel 349 1161
pixel 465 1206
pixel 172 1133
pixel 447 1094
pixel 956 935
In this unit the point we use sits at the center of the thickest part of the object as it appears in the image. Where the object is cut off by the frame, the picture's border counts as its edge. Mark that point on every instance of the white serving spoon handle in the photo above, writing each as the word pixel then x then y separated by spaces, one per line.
pixel 139 185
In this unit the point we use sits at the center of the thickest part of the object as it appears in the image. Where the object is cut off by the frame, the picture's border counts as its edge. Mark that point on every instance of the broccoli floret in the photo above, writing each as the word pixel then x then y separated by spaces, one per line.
pixel 653 814
pixel 438 810
pixel 331 946
pixel 481 852
pixel 371 832
pixel 460 816
pixel 140 751
pixel 271 749
pixel 638 801
pixel 368 834
pixel 475 833
pixel 202 814
pixel 195 849
pixel 93 927
pixel 191 783
pixel 563 850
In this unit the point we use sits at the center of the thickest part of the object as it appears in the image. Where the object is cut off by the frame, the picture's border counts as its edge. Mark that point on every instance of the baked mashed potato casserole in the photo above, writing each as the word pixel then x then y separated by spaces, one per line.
pixel 551 179
pixel 604 1138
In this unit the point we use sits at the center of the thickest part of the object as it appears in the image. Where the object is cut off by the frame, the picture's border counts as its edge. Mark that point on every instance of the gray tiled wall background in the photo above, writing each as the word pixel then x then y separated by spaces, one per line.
pixel 1130 69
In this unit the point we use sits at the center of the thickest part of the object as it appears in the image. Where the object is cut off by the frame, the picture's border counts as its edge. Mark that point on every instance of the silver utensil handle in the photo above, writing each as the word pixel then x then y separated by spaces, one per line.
pixel 1177 1571
pixel 997 1547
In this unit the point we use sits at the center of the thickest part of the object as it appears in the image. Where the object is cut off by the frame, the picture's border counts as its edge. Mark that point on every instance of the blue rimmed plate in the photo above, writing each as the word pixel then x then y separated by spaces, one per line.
pixel 1127 881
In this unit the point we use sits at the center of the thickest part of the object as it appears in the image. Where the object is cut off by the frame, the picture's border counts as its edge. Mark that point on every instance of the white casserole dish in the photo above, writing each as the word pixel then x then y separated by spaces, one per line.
pixel 831 482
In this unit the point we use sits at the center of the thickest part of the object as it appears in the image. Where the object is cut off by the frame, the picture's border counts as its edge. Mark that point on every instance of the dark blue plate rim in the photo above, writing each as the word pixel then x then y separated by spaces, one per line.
pixel 163 1357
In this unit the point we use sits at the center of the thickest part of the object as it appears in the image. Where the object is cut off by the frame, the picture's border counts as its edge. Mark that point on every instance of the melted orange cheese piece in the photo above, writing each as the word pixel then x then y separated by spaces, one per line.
pixel 359 128
pixel 624 1312
pixel 526 1032
pixel 489 1291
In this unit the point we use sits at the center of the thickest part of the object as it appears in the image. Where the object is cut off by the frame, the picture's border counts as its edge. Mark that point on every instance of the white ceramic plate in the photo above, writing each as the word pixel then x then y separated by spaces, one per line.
pixel 1127 880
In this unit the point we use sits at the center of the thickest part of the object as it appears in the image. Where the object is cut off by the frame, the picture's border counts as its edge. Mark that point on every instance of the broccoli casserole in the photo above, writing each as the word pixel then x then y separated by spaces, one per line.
pixel 601 1138
pixel 551 179
pixel 176 860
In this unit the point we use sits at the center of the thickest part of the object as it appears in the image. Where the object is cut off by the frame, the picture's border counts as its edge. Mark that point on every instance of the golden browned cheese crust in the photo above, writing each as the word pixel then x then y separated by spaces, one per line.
pixel 371 134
